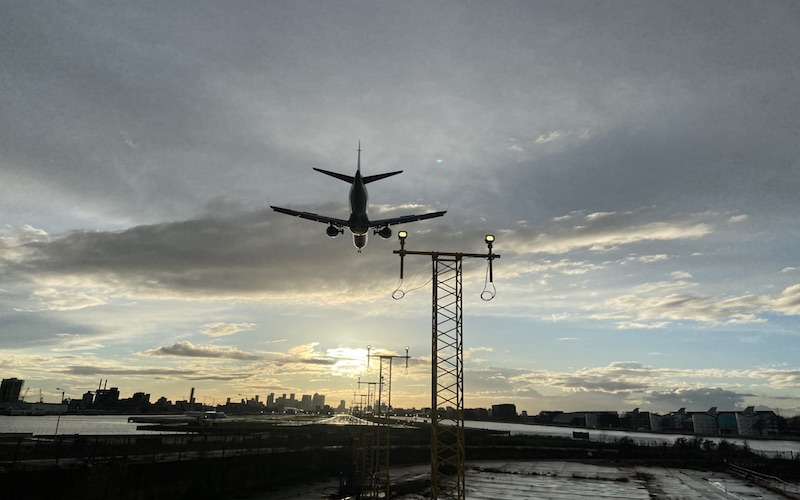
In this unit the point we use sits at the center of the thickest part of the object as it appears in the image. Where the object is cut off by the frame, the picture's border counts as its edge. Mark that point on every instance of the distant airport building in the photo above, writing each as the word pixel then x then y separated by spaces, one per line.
pixel 749 422
pixel 705 423
pixel 106 398
pixel 87 400
pixel 504 412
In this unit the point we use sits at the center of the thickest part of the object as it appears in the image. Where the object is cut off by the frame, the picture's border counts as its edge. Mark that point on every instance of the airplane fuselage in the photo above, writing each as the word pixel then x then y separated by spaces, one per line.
pixel 359 221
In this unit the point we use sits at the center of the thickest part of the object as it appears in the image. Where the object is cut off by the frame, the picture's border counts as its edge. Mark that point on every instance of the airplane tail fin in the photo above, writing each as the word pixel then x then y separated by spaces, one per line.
pixel 372 178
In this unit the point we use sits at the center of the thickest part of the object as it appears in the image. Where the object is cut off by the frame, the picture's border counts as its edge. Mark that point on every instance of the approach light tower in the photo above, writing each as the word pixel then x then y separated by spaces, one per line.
pixel 364 445
pixel 447 366
pixel 370 393
pixel 381 483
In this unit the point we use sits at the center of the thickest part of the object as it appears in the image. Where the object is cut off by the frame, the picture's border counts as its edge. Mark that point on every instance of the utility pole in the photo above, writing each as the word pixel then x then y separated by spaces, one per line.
pixel 60 409
pixel 447 368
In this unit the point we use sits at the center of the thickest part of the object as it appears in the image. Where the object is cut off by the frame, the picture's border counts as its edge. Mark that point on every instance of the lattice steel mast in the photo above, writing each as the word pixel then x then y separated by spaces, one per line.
pixel 364 447
pixel 382 482
pixel 447 368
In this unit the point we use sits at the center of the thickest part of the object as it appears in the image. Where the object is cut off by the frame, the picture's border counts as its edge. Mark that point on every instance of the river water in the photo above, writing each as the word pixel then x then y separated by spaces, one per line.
pixel 70 424
pixel 118 424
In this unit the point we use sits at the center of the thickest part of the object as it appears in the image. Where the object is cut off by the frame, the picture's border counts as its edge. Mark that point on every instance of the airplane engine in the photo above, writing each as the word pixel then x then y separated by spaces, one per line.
pixel 385 233
pixel 332 231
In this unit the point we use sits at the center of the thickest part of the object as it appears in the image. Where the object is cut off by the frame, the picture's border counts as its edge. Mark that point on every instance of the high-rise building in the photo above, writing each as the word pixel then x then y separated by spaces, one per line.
pixel 318 402
pixel 10 389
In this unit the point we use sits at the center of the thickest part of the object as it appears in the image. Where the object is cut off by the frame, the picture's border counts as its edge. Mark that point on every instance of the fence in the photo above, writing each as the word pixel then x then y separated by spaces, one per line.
pixel 791 490
pixel 82 450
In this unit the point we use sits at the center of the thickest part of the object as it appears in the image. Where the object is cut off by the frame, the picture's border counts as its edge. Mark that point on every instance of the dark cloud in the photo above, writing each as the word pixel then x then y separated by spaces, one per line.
pixel 285 362
pixel 187 349
pixel 246 255
pixel 697 399
pixel 98 370
pixel 155 372
pixel 616 378
pixel 38 330
pixel 290 364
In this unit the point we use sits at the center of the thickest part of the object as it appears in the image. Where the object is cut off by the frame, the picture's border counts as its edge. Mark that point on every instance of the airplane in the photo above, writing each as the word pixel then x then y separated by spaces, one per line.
pixel 358 223
pixel 205 415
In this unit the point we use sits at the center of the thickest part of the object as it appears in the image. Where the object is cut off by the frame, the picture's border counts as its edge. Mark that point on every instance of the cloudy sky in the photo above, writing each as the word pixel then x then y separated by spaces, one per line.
pixel 638 163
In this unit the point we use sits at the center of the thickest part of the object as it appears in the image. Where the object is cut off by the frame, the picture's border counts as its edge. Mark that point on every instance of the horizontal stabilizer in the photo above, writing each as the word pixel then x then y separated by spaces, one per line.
pixel 342 177
pixel 377 177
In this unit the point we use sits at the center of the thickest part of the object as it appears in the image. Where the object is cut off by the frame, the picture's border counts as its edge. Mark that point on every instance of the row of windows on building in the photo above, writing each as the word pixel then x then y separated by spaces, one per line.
pixel 747 422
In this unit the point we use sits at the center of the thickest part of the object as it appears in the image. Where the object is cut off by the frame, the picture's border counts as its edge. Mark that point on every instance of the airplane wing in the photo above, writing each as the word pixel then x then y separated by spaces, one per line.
pixel 405 218
pixel 312 216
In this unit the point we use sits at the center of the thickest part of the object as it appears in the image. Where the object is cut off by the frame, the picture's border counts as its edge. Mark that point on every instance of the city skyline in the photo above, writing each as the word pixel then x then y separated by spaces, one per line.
pixel 638 163
pixel 110 400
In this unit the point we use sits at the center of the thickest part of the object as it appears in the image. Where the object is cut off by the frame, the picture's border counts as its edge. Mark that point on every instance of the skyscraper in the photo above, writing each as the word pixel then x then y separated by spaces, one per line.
pixel 318 402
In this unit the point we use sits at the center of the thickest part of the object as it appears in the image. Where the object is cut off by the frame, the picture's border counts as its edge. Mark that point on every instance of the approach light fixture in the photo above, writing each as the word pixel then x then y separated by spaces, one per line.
pixel 402 235
pixel 489 239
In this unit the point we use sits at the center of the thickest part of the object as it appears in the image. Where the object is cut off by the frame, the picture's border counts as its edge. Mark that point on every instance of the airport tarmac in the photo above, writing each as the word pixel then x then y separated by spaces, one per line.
pixel 558 480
